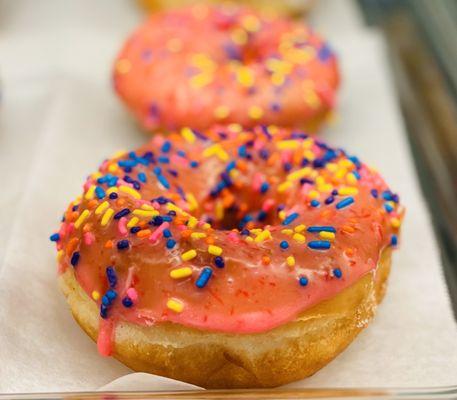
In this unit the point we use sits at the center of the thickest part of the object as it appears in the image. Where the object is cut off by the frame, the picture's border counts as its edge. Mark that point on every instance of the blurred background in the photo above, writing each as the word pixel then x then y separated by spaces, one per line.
pixel 419 36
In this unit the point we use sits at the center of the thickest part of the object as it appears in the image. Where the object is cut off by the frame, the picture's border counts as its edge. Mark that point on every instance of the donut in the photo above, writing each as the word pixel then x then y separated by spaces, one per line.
pixel 206 65
pixel 230 257
pixel 286 7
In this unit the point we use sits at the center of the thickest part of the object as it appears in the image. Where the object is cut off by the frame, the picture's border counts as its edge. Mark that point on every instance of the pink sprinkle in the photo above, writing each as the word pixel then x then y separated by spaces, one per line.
pixel 63 230
pixel 267 205
pixel 129 280
pixel 306 188
pixel 176 160
pixel 258 144
pixel 156 205
pixel 286 156
pixel 121 226
pixel 133 294
pixel 121 182
pixel 70 228
pixel 89 238
pixel 233 237
pixel 87 185
pixel 158 140
pixel 155 235
pixel 257 181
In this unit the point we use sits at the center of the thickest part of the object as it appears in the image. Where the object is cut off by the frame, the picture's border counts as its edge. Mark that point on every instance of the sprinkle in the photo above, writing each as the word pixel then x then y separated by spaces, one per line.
pixel 255 112
pixel 299 237
pixel 221 112
pixel 130 191
pixel 133 222
pixel 319 245
pixel 188 135
pixel 123 244
pixel 315 203
pixel 198 235
pixel 284 186
pixel 344 203
pixel 327 235
pixel 374 193
pixel 107 217
pixel 99 192
pixel 179 273
pixel 74 259
pixel 301 173
pixel 145 213
pixel 204 277
pixel 54 237
pixel 290 261
pixel 175 305
pixel 303 281
pixel 95 295
pixel 170 243
pixel 321 229
pixel 264 235
pixel 393 240
pixel 127 302
pixel 337 273
pixel 101 208
pixel 290 218
pixel 214 250
pixel 244 76
pixel 189 255
pixel 395 222
pixel 90 193
pixel 111 276
pixel 348 191
pixel 288 144
pixel 122 213
pixel 284 244
pixel 219 262
pixel 300 228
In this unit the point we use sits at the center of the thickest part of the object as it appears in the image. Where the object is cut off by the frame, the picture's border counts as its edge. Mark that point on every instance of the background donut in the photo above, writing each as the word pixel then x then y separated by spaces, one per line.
pixel 203 65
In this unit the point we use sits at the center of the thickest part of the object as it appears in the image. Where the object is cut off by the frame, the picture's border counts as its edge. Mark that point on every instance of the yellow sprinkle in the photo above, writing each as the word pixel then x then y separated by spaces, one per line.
pixel 299 237
pixel 219 210
pixel 175 305
pixel 81 218
pixel 255 112
pixel 216 150
pixel 221 112
pixel 287 232
pixel 340 173
pixel 145 213
pixel 201 80
pixel 249 239
pixel 96 175
pixel 59 255
pixel 133 222
pixel 282 214
pixel 300 228
pixel 123 66
pixel 263 236
pixel 130 191
pixel 203 61
pixel 214 250
pixel 95 295
pixel 193 205
pixel 101 208
pixel 301 173
pixel 112 190
pixel 222 154
pixel 192 223
pixel 198 235
pixel 290 261
pixel 90 193
pixel 288 144
pixel 173 207
pixel 351 179
pixel 206 225
pixel 113 167
pixel 235 127
pixel 245 77
pixel 256 231
pixel 327 235
pixel 251 23
pixel 332 167
pixel 188 135
pixel 147 207
pixel 346 163
pixel 179 273
pixel 395 222
pixel 278 79
pixel 309 155
pixel 284 186
pixel 239 36
pixel 189 255
pixel 107 217
pixel 348 191
pixel 313 194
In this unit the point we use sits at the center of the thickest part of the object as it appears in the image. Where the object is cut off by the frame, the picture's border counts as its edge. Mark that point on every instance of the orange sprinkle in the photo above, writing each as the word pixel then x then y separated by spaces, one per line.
pixel 266 260
pixel 109 244
pixel 87 227
pixel 142 224
pixel 186 233
pixel 120 201
pixel 72 216
pixel 348 229
pixel 209 240
pixel 143 233
pixel 92 204
pixel 349 252
pixel 71 245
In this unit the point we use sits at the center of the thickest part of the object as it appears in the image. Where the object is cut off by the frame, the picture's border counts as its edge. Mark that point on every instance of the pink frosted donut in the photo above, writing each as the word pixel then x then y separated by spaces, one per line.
pixel 203 65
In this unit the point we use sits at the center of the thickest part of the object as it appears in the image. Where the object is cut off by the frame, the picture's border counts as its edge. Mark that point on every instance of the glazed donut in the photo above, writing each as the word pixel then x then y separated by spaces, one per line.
pixel 225 65
pixel 287 7
pixel 228 257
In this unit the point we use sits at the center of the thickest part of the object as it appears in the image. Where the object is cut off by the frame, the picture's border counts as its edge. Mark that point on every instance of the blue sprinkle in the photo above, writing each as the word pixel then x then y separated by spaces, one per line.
pixel 111 294
pixel 163 160
pixel 242 151
pixel 111 276
pixel 135 229
pixel 315 203
pixel 194 164
pixel 290 218
pixel 113 196
pixel 356 174
pixel 219 262
pixel 284 244
pixel 374 193
pixel 329 200
pixel 157 220
pixel 54 237
pixel 319 245
pixel 166 146
pixel 261 216
pixel 337 273
pixel 99 192
pixel 167 218
pixel 163 181
pixel 157 171
pixel 123 244
pixel 121 213
pixel 127 302
pixel 324 53
pixel 231 165
pixel 171 243
pixel 127 163
pixel 106 301
pixel 113 181
pixel 103 311
pixel 388 207
pixel 264 187
pixel 393 240
pixel 74 259
pixel 303 280
pixel 142 177
pixel 321 229
pixel 387 195
pixel 345 202
pixel 204 277
pixel 166 233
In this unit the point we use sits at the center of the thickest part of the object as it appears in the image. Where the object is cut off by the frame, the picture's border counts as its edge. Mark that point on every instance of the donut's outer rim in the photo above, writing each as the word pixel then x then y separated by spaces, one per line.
pixel 287 353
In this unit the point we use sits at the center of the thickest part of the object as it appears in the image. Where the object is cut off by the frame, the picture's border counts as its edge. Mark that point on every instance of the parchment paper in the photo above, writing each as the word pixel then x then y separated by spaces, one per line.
pixel 65 116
